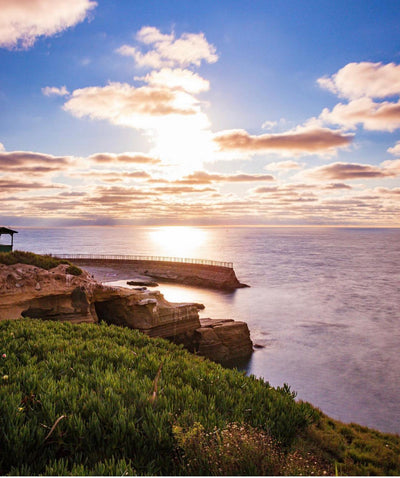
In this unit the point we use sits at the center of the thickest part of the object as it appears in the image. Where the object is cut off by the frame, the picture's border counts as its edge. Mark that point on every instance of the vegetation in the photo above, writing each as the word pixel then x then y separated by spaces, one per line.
pixel 43 261
pixel 101 400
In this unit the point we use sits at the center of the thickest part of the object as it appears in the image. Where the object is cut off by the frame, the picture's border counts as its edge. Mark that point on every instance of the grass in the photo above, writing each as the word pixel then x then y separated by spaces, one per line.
pixel 42 261
pixel 101 400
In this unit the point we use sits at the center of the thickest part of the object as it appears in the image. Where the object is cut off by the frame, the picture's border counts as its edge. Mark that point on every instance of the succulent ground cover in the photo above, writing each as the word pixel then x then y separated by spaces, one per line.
pixel 94 399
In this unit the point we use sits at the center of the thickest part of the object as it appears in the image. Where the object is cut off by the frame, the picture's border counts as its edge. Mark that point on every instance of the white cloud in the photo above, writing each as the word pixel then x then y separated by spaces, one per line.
pixel 303 140
pixel 2 148
pixel 282 165
pixel 384 116
pixel 169 51
pixel 175 79
pixel 395 150
pixel 122 104
pixel 374 80
pixel 268 124
pixel 22 21
pixel 55 91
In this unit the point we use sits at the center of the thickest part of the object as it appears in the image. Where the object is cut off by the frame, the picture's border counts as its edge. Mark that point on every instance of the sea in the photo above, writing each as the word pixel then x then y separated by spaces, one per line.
pixel 323 304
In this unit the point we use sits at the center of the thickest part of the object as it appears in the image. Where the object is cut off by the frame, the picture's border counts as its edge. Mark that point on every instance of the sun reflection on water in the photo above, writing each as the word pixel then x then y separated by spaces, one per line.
pixel 180 241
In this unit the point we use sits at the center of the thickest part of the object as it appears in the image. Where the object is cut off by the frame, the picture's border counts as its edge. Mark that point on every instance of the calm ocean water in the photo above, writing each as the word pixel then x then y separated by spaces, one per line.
pixel 324 303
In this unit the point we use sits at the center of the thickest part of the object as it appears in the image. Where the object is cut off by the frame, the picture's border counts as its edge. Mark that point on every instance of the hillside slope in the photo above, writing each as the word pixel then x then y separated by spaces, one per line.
pixel 98 399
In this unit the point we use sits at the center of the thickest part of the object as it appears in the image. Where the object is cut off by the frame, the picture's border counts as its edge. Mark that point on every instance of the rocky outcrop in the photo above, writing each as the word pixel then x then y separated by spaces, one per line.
pixel 203 275
pixel 223 340
pixel 29 291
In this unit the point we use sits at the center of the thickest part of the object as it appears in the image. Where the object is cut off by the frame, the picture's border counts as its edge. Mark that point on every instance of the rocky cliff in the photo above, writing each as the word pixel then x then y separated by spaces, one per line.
pixel 29 291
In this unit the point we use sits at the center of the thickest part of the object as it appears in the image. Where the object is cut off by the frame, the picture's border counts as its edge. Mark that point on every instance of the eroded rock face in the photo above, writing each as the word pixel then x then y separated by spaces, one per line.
pixel 149 312
pixel 223 340
pixel 29 291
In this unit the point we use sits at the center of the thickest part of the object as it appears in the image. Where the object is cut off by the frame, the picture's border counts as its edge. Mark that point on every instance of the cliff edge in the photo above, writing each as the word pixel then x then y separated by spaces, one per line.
pixel 31 291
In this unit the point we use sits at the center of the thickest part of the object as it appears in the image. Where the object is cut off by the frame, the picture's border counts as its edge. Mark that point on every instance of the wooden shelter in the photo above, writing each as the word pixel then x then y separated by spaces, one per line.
pixel 10 232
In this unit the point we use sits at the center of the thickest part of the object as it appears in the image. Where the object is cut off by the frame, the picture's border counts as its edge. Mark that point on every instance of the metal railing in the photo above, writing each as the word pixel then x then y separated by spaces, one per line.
pixel 119 257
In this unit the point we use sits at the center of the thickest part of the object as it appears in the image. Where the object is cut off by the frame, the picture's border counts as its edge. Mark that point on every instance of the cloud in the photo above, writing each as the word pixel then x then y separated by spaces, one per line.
pixel 7 185
pixel 171 117
pixel 395 150
pixel 302 140
pixel 112 176
pixel 384 116
pixel 55 91
pixel 392 166
pixel 202 177
pixel 2 148
pixel 269 124
pixel 123 104
pixel 348 171
pixel 337 186
pixel 32 163
pixel 130 158
pixel 168 51
pixel 182 190
pixel 355 80
pixel 284 195
pixel 116 194
pixel 282 165
pixel 176 79
pixel 390 192
pixel 23 21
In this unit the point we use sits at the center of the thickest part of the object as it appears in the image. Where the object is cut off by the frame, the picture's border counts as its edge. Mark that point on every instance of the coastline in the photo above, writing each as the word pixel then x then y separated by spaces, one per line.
pixel 186 273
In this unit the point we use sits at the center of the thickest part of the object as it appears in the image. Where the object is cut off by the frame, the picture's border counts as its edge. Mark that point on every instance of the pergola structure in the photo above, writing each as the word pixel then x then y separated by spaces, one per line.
pixel 10 232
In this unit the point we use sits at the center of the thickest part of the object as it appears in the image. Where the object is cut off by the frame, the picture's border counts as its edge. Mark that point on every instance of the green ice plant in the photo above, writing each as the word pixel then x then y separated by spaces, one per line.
pixel 83 395
pixel 94 399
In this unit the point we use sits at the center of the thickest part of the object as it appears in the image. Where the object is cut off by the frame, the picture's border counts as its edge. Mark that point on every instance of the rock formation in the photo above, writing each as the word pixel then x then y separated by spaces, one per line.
pixel 204 275
pixel 29 291
pixel 223 340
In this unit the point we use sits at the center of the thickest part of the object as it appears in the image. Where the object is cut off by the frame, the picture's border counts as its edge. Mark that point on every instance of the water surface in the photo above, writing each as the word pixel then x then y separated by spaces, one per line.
pixel 324 303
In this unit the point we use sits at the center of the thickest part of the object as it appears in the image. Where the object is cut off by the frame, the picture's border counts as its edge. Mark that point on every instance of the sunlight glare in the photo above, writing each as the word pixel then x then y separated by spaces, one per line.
pixel 184 143
pixel 179 241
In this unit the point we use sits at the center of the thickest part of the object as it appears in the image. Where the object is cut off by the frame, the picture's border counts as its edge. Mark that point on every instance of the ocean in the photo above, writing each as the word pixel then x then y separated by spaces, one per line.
pixel 324 303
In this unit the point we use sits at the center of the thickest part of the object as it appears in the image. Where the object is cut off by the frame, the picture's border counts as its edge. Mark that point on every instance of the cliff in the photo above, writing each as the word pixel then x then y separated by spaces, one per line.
pixel 30 291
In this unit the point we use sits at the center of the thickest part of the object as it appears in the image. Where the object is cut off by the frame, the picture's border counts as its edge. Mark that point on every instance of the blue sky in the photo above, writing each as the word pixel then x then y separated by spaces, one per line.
pixel 183 112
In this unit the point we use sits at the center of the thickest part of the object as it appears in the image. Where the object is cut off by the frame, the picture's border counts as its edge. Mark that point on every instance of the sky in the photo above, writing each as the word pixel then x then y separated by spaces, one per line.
pixel 181 112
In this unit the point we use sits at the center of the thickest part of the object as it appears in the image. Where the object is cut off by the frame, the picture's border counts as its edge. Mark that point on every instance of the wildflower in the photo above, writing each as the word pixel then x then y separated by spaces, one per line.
pixel 20 409
pixel 4 355
pixel 5 377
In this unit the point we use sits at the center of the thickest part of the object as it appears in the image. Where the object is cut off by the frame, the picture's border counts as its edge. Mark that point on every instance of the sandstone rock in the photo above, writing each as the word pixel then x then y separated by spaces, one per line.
pixel 223 340
pixel 61 296
pixel 143 282
pixel 56 295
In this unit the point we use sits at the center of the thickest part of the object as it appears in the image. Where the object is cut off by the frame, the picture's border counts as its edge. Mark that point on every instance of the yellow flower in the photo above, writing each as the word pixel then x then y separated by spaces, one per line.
pixel 5 377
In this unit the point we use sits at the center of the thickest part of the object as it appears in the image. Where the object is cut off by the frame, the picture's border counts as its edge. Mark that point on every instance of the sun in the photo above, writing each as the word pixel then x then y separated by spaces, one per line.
pixel 183 143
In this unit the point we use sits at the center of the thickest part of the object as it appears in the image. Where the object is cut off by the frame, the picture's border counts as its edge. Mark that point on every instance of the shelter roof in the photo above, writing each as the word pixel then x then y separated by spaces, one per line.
pixel 6 230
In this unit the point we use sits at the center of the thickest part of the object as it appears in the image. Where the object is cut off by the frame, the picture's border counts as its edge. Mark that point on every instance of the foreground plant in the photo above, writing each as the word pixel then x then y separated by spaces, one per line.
pixel 102 400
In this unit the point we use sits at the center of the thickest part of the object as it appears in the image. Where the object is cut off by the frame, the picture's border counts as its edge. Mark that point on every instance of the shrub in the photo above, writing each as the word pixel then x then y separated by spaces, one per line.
pixel 43 261
pixel 239 449
pixel 73 270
